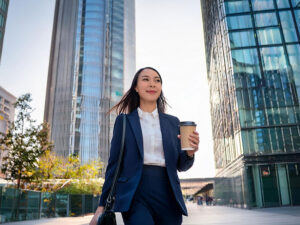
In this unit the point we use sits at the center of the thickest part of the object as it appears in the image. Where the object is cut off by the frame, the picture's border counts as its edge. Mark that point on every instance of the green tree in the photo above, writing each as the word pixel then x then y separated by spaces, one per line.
pixel 25 142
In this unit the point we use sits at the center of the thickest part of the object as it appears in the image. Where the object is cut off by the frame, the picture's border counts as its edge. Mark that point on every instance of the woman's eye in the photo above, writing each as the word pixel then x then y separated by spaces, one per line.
pixel 158 81
pixel 146 79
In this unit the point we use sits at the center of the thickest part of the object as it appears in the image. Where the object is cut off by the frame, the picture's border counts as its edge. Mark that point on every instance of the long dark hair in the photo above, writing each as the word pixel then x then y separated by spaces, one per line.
pixel 131 99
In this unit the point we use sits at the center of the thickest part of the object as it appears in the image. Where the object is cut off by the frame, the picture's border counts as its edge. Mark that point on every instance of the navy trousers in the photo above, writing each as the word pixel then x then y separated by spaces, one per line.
pixel 154 202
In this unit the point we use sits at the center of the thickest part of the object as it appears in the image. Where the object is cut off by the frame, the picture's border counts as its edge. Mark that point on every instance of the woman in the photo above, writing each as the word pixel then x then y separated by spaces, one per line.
pixel 148 189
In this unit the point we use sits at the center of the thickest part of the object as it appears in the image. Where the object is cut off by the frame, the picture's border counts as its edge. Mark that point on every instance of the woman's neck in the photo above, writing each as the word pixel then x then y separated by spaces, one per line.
pixel 148 107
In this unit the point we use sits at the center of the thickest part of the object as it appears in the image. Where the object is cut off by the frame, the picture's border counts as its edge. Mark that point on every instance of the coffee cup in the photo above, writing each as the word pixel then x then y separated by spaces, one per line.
pixel 186 129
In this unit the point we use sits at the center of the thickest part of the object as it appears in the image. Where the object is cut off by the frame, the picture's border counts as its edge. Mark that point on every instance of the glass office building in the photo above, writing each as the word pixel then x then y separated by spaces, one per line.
pixel 253 65
pixel 92 53
pixel 3 16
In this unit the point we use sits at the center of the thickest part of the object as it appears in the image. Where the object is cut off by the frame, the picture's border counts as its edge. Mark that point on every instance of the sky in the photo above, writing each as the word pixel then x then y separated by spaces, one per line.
pixel 169 37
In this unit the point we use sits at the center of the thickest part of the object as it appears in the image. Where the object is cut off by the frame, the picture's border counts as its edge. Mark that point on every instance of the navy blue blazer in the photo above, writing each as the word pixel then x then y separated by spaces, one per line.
pixel 132 166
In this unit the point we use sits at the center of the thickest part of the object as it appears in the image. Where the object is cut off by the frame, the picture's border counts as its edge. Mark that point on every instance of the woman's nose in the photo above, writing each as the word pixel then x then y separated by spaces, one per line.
pixel 152 83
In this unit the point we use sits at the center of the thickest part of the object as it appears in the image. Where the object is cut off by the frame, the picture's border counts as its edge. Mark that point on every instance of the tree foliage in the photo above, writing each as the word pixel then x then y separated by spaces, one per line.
pixel 51 166
pixel 24 143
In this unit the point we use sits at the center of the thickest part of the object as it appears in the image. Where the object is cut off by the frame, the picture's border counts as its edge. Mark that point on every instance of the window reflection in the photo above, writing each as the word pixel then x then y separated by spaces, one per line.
pixel 288 27
pixel 237 6
pixel 294 58
pixel 296 3
pixel 273 59
pixel 282 4
pixel 297 15
pixel 265 19
pixel 241 39
pixel 262 4
pixel 269 36
pixel 239 22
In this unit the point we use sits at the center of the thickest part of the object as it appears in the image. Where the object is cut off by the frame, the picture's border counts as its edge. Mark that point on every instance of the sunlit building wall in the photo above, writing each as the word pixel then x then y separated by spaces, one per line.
pixel 253 63
pixel 7 114
pixel 89 61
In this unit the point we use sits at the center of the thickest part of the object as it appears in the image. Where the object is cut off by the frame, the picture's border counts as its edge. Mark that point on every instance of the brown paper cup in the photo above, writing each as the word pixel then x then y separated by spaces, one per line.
pixel 186 128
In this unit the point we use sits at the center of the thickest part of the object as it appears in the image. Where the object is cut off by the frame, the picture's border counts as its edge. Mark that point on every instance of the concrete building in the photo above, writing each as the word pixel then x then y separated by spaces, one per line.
pixel 92 60
pixel 253 67
pixel 7 114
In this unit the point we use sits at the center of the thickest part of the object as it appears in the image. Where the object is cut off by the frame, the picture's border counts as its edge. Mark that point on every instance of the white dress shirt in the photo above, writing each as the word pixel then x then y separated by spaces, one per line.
pixel 152 138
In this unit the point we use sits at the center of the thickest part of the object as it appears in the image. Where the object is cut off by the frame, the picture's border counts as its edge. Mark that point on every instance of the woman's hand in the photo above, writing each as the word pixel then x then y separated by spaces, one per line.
pixel 194 141
pixel 98 212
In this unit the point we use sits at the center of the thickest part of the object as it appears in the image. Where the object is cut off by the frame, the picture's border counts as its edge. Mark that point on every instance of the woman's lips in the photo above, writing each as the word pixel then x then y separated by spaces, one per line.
pixel 151 92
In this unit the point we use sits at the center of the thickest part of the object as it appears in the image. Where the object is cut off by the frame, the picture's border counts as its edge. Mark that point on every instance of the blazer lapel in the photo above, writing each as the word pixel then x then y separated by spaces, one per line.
pixel 134 121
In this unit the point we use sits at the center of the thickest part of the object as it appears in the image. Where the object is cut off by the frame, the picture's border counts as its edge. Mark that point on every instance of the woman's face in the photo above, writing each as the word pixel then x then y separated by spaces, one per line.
pixel 148 86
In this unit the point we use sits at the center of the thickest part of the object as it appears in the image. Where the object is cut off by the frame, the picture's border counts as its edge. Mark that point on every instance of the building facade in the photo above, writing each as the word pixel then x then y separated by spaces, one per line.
pixel 7 114
pixel 3 16
pixel 92 55
pixel 253 67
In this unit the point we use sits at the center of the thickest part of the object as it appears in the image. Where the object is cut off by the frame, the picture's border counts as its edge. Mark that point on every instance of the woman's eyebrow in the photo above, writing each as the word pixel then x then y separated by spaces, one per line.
pixel 148 76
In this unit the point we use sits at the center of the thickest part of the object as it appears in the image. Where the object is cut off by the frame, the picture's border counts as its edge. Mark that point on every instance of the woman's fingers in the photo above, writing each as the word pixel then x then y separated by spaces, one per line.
pixel 194 140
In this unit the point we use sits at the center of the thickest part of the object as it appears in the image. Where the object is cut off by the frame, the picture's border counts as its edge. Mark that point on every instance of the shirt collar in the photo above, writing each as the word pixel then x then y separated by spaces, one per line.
pixel 142 114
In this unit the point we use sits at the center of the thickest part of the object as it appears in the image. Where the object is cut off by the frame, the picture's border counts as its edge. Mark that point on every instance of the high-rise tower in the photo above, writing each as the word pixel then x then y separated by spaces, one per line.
pixel 3 16
pixel 253 63
pixel 92 57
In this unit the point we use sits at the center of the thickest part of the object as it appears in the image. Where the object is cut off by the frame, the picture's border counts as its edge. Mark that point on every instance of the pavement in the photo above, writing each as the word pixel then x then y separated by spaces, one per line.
pixel 202 215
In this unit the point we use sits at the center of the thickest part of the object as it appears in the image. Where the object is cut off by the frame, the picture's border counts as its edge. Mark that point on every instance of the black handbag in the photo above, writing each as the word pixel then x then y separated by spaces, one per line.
pixel 108 216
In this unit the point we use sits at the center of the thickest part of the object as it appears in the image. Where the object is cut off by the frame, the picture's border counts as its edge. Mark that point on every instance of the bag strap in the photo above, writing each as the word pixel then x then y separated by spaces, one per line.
pixel 111 197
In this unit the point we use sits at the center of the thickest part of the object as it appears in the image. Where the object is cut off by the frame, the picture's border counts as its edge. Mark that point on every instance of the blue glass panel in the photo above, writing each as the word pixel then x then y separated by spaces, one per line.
pixel 239 22
pixel 294 58
pixel 262 4
pixel 297 15
pixel 273 59
pixel 265 19
pixel 283 4
pixel 296 3
pixel 288 27
pixel 94 7
pixel 269 36
pixel 241 39
pixel 237 6
pixel 246 61
pixel 1 20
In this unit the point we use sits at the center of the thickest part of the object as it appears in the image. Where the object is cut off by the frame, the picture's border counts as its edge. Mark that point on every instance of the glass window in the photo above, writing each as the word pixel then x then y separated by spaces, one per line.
pixel 262 5
pixel 3 5
pixel 273 59
pixel 239 22
pixel 295 137
pixel 296 3
pixel 297 15
pixel 237 6
pixel 283 4
pixel 241 39
pixel 6 102
pixel 265 19
pixel 287 139
pixel 268 36
pixel 294 58
pixel 288 27
pixel 1 20
pixel 246 61
pixel 94 7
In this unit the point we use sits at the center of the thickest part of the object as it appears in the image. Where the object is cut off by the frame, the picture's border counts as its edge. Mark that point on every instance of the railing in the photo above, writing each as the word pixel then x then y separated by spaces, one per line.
pixel 17 204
